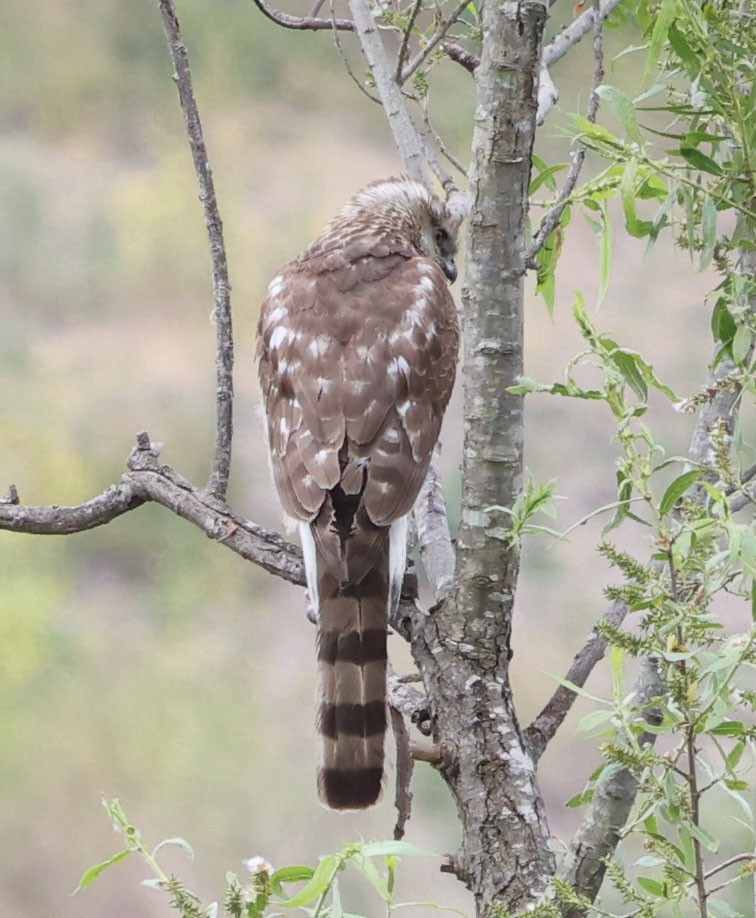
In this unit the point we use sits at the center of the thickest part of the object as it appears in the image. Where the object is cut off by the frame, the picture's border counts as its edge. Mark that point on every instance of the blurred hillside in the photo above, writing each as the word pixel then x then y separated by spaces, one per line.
pixel 141 660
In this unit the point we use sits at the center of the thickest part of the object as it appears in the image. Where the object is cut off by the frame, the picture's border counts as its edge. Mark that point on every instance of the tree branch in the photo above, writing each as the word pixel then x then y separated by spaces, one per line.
pixel 404 47
pixel 554 216
pixel 544 727
pixel 224 362
pixel 575 31
pixel 404 766
pixel 433 41
pixel 584 863
pixel 405 134
pixel 55 520
pixel 303 23
pixel 460 56
pixel 554 51
pixel 148 481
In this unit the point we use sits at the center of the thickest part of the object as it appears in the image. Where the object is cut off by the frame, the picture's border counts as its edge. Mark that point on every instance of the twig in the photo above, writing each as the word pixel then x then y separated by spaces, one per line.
pixel 403 130
pixel 460 56
pixel 437 36
pixel 552 52
pixel 404 766
pixel 558 47
pixel 445 178
pixel 405 39
pixel 218 482
pixel 345 60
pixel 148 481
pixel 544 727
pixel 303 23
pixel 554 216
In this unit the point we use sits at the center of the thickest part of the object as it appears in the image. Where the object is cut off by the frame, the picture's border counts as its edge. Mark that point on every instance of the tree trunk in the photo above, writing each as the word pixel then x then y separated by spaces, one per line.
pixel 463 648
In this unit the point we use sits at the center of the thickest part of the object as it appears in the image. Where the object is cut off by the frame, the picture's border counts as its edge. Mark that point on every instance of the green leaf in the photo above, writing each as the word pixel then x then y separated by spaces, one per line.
pixel 655 887
pixel 294 873
pixel 318 884
pixel 700 160
pixel 368 868
pixel 594 719
pixel 729 728
pixel 581 799
pixel 676 490
pixel 623 109
pixel 682 49
pixel 662 21
pixel 626 363
pixel 723 325
pixel 741 344
pixel 545 175
pixel 91 875
pixel 708 840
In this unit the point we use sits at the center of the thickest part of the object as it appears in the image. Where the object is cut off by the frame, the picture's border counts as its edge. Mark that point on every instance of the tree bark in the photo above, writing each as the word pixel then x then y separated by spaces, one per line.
pixel 462 648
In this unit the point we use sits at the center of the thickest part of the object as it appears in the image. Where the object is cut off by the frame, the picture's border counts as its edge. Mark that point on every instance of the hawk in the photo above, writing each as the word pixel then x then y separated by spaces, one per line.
pixel 357 347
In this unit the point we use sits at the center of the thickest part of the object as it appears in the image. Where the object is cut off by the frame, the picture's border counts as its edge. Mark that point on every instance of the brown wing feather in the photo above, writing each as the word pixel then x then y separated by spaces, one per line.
pixel 357 367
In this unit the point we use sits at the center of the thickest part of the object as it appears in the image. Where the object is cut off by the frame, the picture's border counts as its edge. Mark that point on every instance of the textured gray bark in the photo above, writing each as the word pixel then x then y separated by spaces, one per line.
pixel 584 864
pixel 462 648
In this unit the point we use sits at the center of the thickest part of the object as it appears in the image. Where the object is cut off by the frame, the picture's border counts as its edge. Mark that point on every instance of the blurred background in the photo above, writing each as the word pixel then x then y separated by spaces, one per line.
pixel 141 660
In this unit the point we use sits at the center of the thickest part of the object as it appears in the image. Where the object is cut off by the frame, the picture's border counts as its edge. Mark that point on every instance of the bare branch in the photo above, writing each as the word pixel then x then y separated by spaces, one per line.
pixel 405 40
pixel 433 41
pixel 548 94
pixel 575 31
pixel 403 129
pixel 554 216
pixel 410 701
pixel 303 23
pixel 224 362
pixel 442 175
pixel 146 481
pixel 552 52
pixel 54 520
pixel 542 730
pixel 460 56
pixel 404 766
pixel 347 66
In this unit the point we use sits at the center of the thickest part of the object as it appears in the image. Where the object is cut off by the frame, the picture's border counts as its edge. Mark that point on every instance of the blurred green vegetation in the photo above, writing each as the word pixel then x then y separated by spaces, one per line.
pixel 141 660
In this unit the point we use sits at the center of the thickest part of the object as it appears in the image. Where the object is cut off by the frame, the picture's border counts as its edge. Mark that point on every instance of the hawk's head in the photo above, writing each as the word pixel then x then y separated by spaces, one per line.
pixel 407 209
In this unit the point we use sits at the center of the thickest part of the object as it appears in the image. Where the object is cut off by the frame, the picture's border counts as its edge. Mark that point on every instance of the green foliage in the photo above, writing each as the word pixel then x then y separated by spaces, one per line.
pixel 685 164
pixel 266 893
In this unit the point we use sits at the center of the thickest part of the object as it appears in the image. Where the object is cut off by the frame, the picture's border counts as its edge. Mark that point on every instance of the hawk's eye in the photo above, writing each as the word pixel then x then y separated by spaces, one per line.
pixel 441 236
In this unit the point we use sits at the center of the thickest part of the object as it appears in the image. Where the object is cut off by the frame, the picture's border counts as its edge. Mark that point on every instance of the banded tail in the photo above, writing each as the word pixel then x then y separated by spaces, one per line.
pixel 352 659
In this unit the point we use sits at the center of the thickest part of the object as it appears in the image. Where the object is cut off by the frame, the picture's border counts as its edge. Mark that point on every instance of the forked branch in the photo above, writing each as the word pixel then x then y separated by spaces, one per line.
pixel 224 360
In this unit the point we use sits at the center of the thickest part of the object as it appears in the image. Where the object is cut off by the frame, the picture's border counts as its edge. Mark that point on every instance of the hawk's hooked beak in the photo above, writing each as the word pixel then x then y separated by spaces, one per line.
pixel 449 269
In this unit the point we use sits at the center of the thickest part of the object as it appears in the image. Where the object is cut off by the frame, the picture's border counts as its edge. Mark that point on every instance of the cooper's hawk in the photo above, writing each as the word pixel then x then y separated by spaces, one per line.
pixel 357 346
